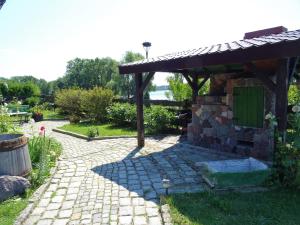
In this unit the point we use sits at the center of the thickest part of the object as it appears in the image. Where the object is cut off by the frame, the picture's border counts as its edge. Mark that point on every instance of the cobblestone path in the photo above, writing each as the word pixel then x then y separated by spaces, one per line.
pixel 113 182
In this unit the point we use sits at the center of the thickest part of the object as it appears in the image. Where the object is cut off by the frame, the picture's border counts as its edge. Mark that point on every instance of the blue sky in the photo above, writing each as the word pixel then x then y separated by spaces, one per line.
pixel 38 37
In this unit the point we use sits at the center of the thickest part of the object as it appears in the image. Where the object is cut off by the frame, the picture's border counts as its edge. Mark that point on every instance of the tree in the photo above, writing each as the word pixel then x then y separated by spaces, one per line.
pixel 41 83
pixel 126 82
pixel 88 73
pixel 180 91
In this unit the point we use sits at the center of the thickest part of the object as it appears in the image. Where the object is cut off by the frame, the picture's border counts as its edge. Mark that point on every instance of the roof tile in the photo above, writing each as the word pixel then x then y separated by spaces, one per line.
pixel 231 46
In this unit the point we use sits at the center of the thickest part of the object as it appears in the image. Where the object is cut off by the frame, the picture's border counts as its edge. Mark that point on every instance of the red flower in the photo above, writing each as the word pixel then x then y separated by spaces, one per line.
pixel 42 128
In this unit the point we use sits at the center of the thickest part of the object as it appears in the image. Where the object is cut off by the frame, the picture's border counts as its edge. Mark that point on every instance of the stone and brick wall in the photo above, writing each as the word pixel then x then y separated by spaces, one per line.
pixel 213 126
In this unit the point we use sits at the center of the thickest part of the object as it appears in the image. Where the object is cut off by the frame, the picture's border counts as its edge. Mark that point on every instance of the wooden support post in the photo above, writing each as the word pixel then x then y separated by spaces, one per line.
pixel 140 86
pixel 195 88
pixel 282 95
pixel 139 109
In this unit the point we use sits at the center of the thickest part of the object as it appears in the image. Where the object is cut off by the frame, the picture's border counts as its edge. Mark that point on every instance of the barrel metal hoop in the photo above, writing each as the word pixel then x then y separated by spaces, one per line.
pixel 11 145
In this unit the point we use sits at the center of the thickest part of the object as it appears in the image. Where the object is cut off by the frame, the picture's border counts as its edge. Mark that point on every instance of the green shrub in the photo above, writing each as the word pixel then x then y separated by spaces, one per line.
pixel 44 152
pixel 158 119
pixel 122 114
pixel 69 101
pixel 47 106
pixel 32 101
pixel 95 103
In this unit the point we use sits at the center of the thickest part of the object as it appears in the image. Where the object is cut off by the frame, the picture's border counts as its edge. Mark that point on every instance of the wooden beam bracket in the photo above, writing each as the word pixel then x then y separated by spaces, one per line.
pixel 149 76
pixel 264 78
pixel 292 64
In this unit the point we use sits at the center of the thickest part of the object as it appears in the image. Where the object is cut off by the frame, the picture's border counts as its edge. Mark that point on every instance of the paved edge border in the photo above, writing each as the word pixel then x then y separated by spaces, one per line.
pixel 104 137
pixel 164 210
pixel 90 139
pixel 34 199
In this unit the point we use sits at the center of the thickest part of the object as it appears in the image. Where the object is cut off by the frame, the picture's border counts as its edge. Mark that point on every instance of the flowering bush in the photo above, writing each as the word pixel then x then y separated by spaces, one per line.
pixel 37 113
pixel 287 153
pixel 6 122
pixel 44 152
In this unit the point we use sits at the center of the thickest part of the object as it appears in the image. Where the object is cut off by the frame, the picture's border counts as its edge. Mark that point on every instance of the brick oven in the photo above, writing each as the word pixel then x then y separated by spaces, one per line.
pixel 231 117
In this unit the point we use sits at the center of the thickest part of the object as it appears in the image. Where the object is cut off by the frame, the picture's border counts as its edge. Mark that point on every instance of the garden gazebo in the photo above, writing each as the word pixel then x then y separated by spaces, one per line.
pixel 255 71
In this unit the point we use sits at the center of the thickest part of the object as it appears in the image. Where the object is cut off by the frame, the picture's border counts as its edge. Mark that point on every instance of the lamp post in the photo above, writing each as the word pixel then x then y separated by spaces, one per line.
pixel 166 184
pixel 147 46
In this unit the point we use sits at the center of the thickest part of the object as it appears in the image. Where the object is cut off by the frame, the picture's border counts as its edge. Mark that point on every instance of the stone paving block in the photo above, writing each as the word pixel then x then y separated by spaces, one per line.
pixel 60 222
pixel 31 220
pixel 152 212
pixel 139 210
pixel 126 211
pixel 44 222
pixel 155 221
pixel 53 206
pixel 67 204
pixel 44 202
pixel 38 211
pixel 125 220
pixel 65 213
pixel 57 199
pixel 50 214
pixel 140 220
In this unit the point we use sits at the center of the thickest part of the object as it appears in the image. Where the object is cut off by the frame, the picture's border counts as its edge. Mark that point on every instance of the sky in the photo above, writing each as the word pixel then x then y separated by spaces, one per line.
pixel 39 37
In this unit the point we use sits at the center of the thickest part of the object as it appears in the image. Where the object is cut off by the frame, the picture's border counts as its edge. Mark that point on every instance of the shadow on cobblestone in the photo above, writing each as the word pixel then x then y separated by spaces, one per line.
pixel 142 175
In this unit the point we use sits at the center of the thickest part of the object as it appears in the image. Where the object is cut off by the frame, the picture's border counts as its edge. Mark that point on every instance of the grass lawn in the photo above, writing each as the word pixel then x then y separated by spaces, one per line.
pixel 277 207
pixel 52 114
pixel 104 129
pixel 10 209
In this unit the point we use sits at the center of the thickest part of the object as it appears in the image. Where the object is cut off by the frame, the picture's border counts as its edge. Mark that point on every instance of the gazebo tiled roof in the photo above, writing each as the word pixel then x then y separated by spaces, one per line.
pixel 278 45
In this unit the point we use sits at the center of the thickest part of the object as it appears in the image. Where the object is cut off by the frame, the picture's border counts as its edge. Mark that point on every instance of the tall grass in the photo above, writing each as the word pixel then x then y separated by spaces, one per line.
pixel 44 152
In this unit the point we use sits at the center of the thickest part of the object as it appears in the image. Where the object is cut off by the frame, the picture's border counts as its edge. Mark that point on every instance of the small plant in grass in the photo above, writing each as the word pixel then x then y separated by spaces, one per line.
pixel 93 132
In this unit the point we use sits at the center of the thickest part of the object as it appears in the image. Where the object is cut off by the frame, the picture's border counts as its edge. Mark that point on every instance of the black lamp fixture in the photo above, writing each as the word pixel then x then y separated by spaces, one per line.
pixel 147 46
pixel 2 3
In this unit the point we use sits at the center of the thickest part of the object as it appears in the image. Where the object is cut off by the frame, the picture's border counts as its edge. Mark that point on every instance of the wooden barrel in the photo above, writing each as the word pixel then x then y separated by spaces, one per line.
pixel 14 155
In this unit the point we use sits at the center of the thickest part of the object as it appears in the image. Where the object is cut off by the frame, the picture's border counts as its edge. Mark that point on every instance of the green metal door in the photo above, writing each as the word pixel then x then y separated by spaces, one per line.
pixel 248 106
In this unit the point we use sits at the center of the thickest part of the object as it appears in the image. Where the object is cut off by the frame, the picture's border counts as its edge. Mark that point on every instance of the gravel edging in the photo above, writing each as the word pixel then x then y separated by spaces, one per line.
pixel 105 137
pixel 34 199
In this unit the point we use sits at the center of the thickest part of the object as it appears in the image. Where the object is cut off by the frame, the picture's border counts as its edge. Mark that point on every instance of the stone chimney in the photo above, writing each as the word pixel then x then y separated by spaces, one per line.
pixel 265 32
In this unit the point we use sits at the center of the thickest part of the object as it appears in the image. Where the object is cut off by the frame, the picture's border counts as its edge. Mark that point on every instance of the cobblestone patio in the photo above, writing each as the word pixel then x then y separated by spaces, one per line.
pixel 113 181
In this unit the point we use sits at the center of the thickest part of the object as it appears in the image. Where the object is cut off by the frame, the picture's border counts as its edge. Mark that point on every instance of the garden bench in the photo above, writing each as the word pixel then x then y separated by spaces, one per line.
pixel 21 112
